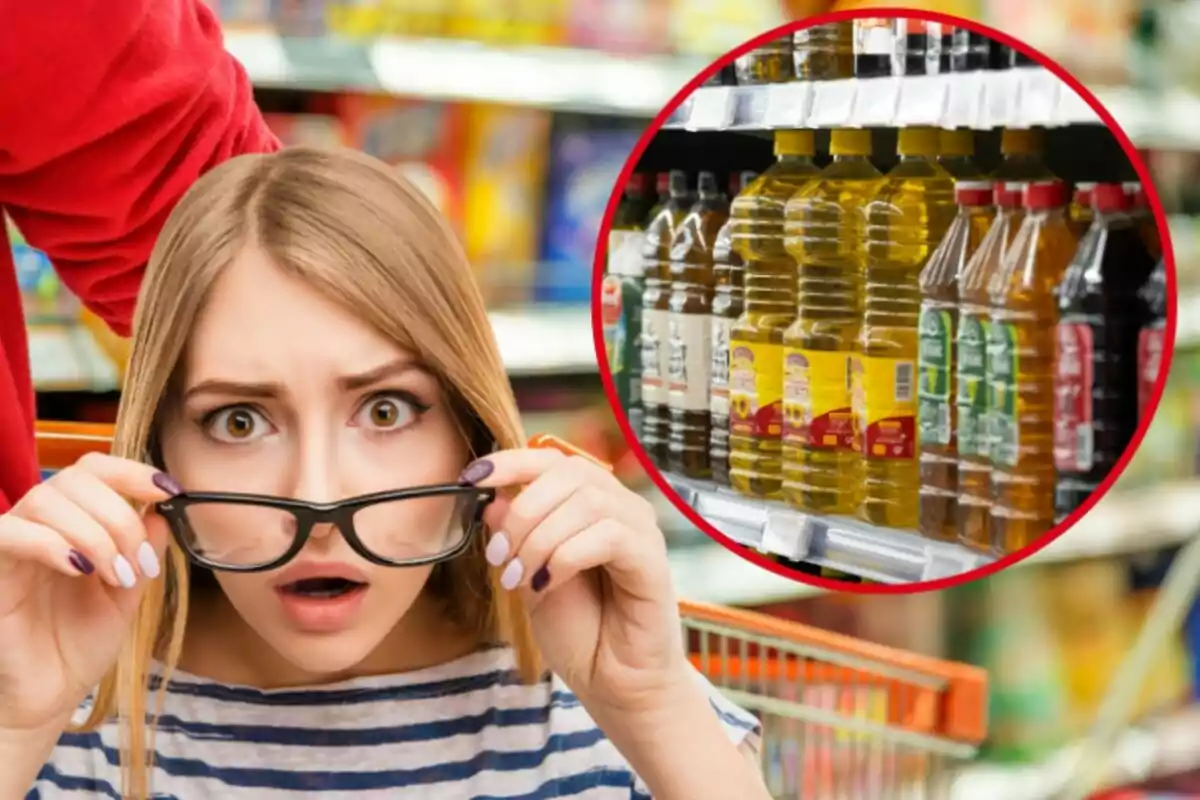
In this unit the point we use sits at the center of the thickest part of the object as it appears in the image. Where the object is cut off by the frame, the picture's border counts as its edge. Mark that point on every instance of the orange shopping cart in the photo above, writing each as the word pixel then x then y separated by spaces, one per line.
pixel 842 719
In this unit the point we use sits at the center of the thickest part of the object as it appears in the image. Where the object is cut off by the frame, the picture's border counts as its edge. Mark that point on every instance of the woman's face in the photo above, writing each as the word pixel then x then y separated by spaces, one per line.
pixel 286 394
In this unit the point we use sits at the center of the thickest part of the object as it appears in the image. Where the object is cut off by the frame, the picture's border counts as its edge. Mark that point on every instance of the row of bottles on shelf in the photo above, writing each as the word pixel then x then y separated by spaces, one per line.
pixel 960 360
pixel 870 48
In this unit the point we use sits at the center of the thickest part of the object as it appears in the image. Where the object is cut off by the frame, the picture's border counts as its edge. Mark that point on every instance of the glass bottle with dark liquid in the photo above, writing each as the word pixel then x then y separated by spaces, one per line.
pixel 1095 411
pixel 972 51
pixel 655 310
pixel 1152 337
pixel 690 331
pixel 727 306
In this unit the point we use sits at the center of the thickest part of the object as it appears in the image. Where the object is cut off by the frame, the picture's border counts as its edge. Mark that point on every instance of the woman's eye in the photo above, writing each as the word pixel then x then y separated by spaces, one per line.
pixel 236 425
pixel 386 412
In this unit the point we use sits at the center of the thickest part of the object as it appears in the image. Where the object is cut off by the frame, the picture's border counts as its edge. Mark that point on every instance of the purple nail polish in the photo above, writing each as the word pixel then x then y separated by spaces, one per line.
pixel 477 471
pixel 540 579
pixel 80 562
pixel 168 484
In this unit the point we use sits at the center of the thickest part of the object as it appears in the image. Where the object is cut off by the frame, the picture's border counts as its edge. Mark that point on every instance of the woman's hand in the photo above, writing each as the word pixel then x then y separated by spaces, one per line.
pixel 591 562
pixel 75 558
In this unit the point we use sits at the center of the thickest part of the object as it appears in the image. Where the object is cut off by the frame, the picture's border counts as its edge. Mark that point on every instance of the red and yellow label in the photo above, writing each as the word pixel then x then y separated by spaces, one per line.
pixel 816 399
pixel 756 389
pixel 887 406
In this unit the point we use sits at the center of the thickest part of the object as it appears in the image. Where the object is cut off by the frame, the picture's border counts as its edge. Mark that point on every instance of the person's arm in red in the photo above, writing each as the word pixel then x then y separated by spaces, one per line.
pixel 109 111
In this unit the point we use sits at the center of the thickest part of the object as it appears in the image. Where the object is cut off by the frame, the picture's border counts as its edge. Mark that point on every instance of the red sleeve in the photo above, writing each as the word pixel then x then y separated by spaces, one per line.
pixel 111 109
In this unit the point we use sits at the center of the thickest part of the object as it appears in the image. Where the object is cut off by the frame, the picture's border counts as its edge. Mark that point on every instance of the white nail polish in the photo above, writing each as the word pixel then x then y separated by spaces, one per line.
pixel 511 577
pixel 497 549
pixel 124 572
pixel 148 560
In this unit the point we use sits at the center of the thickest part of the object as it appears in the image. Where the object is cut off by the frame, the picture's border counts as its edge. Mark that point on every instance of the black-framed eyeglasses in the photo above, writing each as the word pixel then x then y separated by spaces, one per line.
pixel 255 533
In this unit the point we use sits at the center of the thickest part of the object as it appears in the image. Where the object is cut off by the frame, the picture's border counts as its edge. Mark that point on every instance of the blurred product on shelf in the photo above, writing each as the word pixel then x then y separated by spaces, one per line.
pixel 1079 212
pixel 505 177
pixel 1090 39
pixel 769 63
pixel 906 219
pixel 689 323
pixel 584 165
pixel 824 52
pixel 1021 369
pixel 1152 336
pixel 971 51
pixel 756 339
pixel 619 26
pixel 937 359
pixel 918 48
pixel 43 297
pixel 309 130
pixel 874 47
pixel 956 155
pixel 1170 450
pixel 1022 152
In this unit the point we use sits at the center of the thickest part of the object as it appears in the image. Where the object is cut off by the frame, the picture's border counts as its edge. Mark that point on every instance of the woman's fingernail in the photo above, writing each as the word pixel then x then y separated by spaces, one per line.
pixel 168 484
pixel 511 577
pixel 81 562
pixel 497 549
pixel 124 572
pixel 540 579
pixel 148 560
pixel 477 471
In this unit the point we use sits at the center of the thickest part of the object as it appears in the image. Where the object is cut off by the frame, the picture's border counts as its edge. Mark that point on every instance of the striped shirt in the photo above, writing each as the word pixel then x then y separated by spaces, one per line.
pixel 466 729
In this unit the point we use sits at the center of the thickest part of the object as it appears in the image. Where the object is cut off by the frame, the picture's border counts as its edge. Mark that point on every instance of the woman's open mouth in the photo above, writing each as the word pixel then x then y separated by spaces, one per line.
pixel 322 587
pixel 322 604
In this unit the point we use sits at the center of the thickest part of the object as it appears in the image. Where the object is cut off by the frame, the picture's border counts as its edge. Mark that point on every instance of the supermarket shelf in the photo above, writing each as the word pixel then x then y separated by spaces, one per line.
pixel 1019 98
pixel 1161 120
pixel 709 573
pixel 1161 747
pixel 850 546
pixel 559 78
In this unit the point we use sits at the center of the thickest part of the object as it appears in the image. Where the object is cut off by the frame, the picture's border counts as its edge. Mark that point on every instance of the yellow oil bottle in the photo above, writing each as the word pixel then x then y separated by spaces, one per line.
pixel 936 359
pixel 1020 368
pixel 1021 152
pixel 905 221
pixel 823 233
pixel 974 501
pixel 956 155
pixel 769 296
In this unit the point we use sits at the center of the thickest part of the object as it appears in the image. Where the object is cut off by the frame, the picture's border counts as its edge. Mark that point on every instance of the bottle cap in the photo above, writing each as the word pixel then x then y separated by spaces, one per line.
pixel 679 182
pixel 1021 141
pixel 957 142
pixel 1110 197
pixel 707 183
pixel 1082 196
pixel 662 182
pixel 917 142
pixel 850 142
pixel 1137 195
pixel 1045 194
pixel 794 143
pixel 1008 195
pixel 973 193
pixel 638 182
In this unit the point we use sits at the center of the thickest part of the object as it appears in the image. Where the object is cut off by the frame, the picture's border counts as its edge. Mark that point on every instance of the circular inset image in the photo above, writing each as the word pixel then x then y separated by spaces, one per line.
pixel 884 302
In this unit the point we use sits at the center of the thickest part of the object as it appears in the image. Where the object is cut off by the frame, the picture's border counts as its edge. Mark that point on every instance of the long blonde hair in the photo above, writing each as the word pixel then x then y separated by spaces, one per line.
pixel 367 239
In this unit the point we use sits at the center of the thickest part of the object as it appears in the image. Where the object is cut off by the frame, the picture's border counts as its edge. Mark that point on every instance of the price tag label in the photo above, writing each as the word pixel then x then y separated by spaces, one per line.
pixel 712 108
pixel 750 107
pixel 1037 92
pixel 1000 98
pixel 833 103
pixel 875 102
pixel 923 100
pixel 964 101
pixel 788 104
pixel 786 534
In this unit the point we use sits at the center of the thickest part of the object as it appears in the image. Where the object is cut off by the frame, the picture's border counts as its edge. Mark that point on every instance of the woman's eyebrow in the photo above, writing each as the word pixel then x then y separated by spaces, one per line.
pixel 270 390
pixel 263 391
pixel 372 376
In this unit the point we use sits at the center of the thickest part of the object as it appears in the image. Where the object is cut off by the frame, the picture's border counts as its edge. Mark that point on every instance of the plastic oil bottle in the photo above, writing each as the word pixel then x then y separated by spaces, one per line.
pixel 1079 212
pixel 956 155
pixel 1021 346
pixel 823 232
pixel 974 502
pixel 727 307
pixel 689 323
pixel 905 221
pixel 824 52
pixel 936 359
pixel 770 63
pixel 1095 412
pixel 656 255
pixel 1021 151
pixel 756 340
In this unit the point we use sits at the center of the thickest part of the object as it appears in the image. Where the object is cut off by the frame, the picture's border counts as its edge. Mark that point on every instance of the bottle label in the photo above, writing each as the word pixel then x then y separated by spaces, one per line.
pixel 719 384
pixel 1150 350
pixel 935 349
pixel 756 389
pixel 1004 432
pixel 816 399
pixel 888 411
pixel 614 326
pixel 654 357
pixel 972 399
pixel 873 37
pixel 689 361
pixel 1074 431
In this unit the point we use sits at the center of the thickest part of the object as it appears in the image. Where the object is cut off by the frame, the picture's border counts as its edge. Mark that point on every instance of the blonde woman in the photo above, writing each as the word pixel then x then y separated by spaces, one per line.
pixel 335 588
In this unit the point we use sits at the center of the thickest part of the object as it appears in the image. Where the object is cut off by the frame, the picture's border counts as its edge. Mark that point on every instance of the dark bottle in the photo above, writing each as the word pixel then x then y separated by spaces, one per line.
pixel 1095 368
pixel 947 50
pixel 917 46
pixel 690 331
pixel 1143 218
pixel 1018 58
pixel 1152 337
pixel 656 255
pixel 727 305
pixel 874 47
